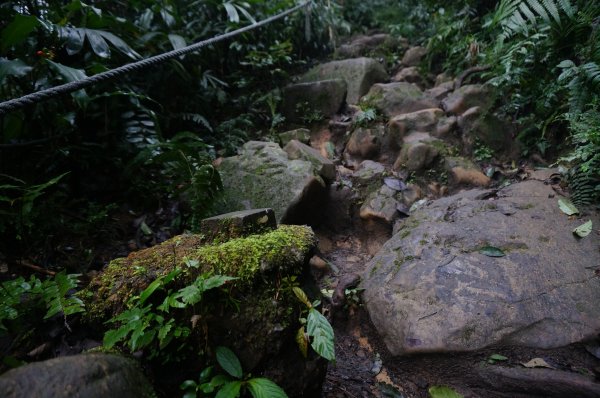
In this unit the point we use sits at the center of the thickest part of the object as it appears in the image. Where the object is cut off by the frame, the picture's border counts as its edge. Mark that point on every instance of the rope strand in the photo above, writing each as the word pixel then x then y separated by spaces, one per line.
pixel 33 98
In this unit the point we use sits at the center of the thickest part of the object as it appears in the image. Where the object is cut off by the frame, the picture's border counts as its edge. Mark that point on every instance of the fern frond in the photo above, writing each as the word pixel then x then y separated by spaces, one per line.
pixel 552 10
pixel 198 119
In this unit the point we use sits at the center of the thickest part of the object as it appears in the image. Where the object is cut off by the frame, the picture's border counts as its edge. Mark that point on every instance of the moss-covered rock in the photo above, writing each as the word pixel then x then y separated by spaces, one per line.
pixel 284 250
pixel 262 175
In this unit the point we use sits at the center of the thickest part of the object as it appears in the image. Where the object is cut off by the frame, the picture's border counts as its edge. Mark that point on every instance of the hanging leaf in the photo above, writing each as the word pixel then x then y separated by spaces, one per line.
pixel 177 41
pixel 492 251
pixel 537 363
pixel 264 388
pixel 302 341
pixel 301 296
pixel 319 328
pixel 232 13
pixel 68 74
pixel 14 67
pixel 584 229
pixel 98 44
pixel 229 362
pixel 74 38
pixel 17 31
pixel 567 207
pixel 443 392
pixel 119 44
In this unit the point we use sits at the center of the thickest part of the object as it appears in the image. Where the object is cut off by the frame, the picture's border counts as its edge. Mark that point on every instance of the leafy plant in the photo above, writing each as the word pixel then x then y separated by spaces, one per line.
pixel 365 116
pixel 17 203
pixel 20 297
pixel 145 324
pixel 315 329
pixel 232 384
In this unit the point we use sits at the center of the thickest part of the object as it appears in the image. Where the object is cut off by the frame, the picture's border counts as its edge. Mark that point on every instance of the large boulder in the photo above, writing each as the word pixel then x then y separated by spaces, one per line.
pixel 467 97
pixel 374 45
pixel 425 120
pixel 418 152
pixel 358 73
pixel 393 99
pixel 311 100
pixel 432 288
pixel 257 317
pixel 479 127
pixel 262 176
pixel 85 376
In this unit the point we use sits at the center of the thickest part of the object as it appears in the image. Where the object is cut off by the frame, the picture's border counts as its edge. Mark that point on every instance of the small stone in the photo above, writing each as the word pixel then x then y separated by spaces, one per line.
pixel 238 223
pixel 302 135
pixel 322 166
pixel 413 56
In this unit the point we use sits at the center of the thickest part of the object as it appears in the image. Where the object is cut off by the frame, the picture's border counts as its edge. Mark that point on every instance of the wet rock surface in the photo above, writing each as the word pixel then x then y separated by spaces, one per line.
pixel 358 73
pixel 262 175
pixel 430 289
pixel 85 376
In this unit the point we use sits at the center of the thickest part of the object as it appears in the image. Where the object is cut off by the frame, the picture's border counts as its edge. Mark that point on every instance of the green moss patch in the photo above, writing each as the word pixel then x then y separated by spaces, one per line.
pixel 283 250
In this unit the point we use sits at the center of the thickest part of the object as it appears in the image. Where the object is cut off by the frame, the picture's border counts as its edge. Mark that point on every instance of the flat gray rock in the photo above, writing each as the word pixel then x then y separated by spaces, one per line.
pixel 430 289
pixel 309 100
pixel 262 176
pixel 393 99
pixel 358 73
pixel 84 376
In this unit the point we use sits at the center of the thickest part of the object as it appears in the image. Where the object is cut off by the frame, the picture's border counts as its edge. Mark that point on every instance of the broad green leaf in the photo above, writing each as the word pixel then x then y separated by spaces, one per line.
pixel 177 41
pixel 119 44
pixel 14 67
pixel 232 13
pixel 491 251
pixel 97 42
pixel 567 63
pixel 166 15
pixel 229 362
pixel 74 39
pixel 216 281
pixel 443 392
pixel 584 229
pixel 230 390
pixel 147 292
pixel 302 341
pixel 264 388
pixel 319 328
pixel 17 31
pixel 567 207
pixel 301 296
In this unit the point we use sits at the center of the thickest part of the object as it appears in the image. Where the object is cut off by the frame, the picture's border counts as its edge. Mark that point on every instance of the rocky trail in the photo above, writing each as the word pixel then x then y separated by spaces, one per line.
pixel 448 266
pixel 470 274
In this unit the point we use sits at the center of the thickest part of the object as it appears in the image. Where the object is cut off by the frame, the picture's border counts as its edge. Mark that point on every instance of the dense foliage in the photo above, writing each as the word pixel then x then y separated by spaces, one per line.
pixel 148 139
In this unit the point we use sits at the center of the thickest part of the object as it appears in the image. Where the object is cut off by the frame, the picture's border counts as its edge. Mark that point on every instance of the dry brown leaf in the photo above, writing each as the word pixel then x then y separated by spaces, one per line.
pixel 537 363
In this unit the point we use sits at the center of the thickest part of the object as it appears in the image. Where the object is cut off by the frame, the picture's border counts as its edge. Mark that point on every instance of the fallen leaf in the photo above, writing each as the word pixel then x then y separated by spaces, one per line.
pixel 567 207
pixel 498 357
pixel 443 392
pixel 584 229
pixel 491 251
pixel 537 363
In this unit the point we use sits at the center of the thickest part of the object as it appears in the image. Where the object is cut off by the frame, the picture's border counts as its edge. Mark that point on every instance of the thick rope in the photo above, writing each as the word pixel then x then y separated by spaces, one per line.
pixel 29 99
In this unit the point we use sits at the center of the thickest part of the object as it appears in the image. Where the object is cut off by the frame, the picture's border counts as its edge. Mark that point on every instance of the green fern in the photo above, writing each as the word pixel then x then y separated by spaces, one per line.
pixel 520 16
